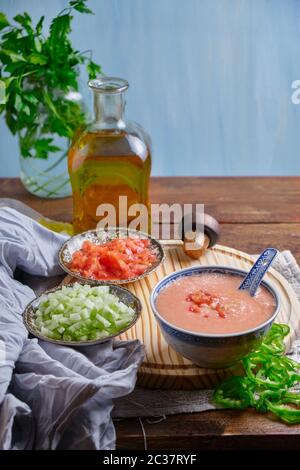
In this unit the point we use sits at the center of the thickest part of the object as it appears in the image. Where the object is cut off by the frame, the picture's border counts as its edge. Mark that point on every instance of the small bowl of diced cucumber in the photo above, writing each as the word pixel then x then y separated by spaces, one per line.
pixel 82 314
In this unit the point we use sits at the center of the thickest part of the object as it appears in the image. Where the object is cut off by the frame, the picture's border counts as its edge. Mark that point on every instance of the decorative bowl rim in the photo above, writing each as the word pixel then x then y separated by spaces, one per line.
pixel 30 308
pixel 196 269
pixel 88 280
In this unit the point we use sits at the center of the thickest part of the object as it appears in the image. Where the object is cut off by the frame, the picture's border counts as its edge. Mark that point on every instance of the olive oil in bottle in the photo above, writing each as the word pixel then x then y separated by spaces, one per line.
pixel 109 159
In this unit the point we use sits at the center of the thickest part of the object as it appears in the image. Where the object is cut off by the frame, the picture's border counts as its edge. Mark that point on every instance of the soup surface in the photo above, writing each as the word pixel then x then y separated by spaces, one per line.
pixel 212 303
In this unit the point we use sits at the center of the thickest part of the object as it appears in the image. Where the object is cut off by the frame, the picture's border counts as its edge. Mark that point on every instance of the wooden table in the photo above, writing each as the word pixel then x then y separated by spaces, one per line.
pixel 254 213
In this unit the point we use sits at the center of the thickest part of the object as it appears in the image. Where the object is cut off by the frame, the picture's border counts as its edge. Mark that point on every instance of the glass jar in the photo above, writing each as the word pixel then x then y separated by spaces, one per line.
pixel 109 159
pixel 48 177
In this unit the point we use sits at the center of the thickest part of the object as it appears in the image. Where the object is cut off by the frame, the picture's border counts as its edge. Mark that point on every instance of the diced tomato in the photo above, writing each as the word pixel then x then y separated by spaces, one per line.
pixel 140 269
pixel 194 309
pixel 201 298
pixel 121 258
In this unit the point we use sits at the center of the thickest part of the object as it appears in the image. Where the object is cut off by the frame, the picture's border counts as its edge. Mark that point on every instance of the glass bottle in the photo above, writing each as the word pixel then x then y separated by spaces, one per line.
pixel 109 159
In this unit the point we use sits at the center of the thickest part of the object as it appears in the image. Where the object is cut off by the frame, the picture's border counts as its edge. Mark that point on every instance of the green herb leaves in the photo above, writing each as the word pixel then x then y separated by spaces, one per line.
pixel 59 30
pixel 3 21
pixel 93 69
pixel 43 147
pixel 80 6
pixel 37 73
pixel 25 21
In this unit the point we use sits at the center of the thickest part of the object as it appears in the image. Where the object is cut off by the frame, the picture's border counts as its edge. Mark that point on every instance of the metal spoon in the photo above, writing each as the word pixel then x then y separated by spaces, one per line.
pixel 254 277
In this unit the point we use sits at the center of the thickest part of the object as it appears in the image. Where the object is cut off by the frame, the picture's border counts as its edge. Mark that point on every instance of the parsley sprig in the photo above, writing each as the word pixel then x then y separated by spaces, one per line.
pixel 37 73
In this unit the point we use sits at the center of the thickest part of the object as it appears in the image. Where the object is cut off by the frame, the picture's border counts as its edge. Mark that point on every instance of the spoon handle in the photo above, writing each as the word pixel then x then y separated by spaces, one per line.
pixel 257 272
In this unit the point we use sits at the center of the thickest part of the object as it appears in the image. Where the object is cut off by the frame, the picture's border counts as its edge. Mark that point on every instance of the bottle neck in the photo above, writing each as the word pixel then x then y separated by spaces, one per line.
pixel 109 110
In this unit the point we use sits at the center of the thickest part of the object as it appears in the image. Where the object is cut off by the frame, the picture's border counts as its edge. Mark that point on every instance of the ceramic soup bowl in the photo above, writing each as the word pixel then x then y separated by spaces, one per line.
pixel 211 350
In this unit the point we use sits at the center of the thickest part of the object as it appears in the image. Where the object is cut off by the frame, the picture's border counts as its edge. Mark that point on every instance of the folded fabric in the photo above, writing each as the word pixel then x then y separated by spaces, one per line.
pixel 52 397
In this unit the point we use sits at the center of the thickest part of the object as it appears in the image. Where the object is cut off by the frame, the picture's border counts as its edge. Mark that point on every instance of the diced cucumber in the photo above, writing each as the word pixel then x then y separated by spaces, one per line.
pixel 81 313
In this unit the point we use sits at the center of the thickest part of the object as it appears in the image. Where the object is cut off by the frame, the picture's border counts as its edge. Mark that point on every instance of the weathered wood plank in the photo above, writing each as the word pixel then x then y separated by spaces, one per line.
pixel 253 238
pixel 209 430
pixel 230 200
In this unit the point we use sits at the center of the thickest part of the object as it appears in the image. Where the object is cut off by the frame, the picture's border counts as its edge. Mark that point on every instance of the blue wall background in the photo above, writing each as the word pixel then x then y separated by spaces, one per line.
pixel 210 79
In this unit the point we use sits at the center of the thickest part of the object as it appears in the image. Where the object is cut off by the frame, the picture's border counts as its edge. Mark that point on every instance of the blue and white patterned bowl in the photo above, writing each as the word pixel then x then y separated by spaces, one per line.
pixel 211 350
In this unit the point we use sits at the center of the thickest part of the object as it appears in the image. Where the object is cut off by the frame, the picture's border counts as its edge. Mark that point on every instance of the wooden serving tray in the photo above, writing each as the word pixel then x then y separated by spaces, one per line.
pixel 163 367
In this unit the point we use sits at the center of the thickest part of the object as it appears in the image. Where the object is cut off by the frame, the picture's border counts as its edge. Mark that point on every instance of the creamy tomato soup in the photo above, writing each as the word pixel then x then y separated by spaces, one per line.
pixel 212 303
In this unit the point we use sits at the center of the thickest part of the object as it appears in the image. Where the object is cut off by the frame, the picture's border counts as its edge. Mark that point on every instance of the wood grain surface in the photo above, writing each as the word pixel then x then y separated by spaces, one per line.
pixel 231 200
pixel 254 213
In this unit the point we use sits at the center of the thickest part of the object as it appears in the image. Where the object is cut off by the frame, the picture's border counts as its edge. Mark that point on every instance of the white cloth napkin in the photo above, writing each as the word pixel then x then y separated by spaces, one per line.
pixel 52 397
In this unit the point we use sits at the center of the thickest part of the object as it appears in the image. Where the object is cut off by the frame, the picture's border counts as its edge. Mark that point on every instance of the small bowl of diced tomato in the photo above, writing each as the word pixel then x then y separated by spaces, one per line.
pixel 113 255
